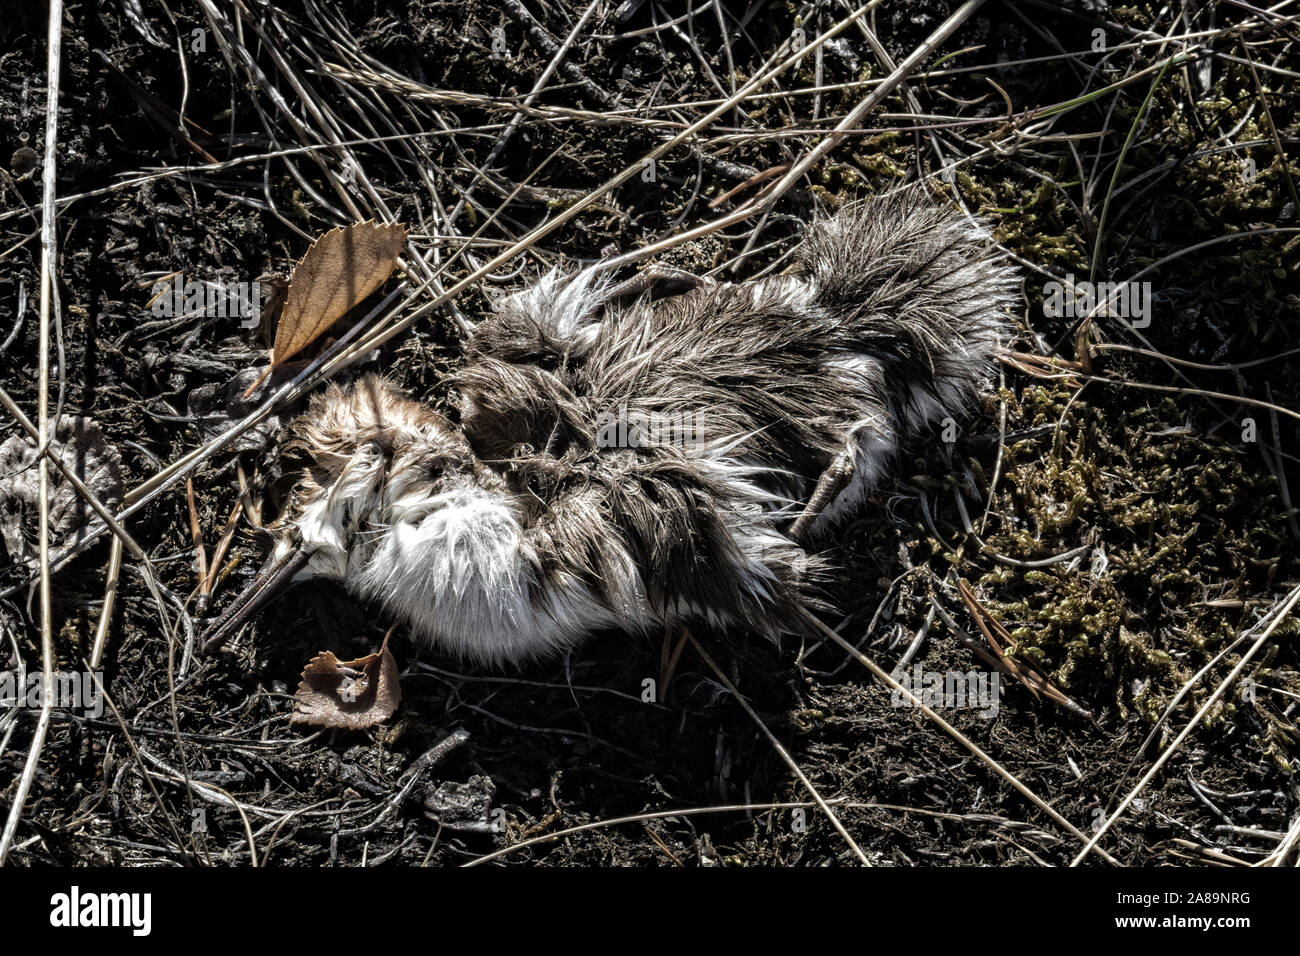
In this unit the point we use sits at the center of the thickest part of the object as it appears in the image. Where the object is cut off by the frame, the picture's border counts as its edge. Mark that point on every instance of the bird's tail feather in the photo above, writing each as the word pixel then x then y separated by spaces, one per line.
pixel 918 289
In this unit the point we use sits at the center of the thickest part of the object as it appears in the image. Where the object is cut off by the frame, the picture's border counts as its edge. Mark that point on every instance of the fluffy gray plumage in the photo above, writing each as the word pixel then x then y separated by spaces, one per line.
pixel 559 506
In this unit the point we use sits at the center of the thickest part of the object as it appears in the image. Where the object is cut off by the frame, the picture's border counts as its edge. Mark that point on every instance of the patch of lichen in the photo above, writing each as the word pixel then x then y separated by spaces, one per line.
pixel 1180 528
pixel 1177 494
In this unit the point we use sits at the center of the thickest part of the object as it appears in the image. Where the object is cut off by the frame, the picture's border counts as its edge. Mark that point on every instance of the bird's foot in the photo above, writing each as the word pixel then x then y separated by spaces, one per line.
pixel 669 656
pixel 833 480
pixel 655 281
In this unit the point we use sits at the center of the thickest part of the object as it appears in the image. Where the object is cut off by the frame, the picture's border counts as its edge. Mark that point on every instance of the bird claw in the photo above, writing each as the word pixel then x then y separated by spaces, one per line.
pixel 832 481
pixel 655 281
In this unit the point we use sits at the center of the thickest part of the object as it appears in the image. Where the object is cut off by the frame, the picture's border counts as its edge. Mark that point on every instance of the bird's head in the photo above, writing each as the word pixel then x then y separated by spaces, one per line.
pixel 376 461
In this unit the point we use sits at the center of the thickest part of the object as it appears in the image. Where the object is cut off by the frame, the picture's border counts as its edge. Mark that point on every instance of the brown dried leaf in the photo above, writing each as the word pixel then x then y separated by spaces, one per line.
pixel 354 695
pixel 340 269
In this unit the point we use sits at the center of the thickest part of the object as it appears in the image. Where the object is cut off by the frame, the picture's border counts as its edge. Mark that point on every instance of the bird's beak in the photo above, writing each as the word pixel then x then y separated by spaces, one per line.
pixel 274 578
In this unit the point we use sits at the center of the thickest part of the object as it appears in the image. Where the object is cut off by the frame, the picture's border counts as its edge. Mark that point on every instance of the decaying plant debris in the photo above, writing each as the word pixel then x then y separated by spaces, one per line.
pixel 79 444
pixel 1121 510
pixel 355 695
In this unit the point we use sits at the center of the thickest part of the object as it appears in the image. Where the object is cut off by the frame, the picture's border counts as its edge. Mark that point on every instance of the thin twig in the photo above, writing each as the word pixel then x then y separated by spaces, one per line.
pixel 953 732
pixel 781 751
pixel 49 261
pixel 1191 725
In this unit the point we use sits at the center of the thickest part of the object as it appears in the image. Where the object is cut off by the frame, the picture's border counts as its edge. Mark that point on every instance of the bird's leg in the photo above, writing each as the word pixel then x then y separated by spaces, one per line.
pixel 656 281
pixel 668 660
pixel 833 480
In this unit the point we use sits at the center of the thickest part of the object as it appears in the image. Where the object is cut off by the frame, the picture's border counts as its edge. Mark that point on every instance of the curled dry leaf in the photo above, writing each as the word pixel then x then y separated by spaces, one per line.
pixel 354 695
pixel 340 269
pixel 215 408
